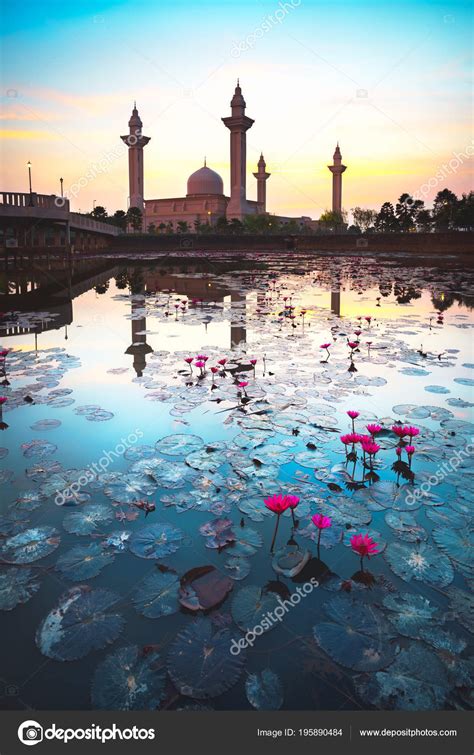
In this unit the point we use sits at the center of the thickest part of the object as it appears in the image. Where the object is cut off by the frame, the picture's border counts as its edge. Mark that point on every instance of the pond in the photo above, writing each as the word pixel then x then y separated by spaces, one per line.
pixel 153 406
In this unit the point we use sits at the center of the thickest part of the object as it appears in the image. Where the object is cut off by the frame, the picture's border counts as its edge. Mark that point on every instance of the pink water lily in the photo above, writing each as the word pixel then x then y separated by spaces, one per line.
pixel 399 430
pixel 352 414
pixel 412 431
pixel 364 546
pixel 253 362
pixel 325 346
pixel 353 344
pixel 374 429
pixel 222 361
pixel 278 504
pixel 321 522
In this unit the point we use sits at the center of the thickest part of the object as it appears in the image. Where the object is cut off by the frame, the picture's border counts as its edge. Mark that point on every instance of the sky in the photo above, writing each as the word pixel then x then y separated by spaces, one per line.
pixel 390 82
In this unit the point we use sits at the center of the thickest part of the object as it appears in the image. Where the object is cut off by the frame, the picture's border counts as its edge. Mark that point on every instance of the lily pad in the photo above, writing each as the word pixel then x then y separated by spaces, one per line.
pixel 157 595
pixel 251 605
pixel 84 562
pixel 203 588
pixel 410 613
pixel 81 622
pixel 358 637
pixel 264 690
pixel 88 519
pixel 200 663
pixel 16 586
pixel 421 562
pixel 415 681
pixel 179 445
pixel 30 545
pixel 156 541
pixel 128 679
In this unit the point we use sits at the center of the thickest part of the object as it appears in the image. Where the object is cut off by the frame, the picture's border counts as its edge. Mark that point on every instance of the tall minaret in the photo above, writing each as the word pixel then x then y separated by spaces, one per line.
pixel 135 142
pixel 262 177
pixel 238 124
pixel 337 169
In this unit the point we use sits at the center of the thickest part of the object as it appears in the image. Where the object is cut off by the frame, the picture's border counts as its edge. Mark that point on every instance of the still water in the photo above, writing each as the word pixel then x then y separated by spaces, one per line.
pixel 170 463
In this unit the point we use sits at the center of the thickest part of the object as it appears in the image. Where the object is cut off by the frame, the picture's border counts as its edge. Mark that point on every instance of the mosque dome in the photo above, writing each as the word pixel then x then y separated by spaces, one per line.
pixel 205 181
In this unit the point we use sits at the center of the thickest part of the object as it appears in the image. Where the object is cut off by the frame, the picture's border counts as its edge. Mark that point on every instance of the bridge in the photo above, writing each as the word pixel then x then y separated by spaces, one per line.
pixel 43 222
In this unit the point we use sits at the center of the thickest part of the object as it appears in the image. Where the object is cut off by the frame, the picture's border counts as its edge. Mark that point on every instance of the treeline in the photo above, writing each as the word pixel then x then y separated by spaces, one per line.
pixel 408 215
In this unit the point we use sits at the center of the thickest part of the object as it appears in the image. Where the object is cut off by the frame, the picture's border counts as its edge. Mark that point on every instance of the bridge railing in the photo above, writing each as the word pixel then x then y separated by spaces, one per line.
pixel 85 223
pixel 25 199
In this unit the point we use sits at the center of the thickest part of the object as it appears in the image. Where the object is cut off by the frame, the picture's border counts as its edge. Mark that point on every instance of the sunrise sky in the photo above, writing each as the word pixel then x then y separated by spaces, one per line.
pixel 391 83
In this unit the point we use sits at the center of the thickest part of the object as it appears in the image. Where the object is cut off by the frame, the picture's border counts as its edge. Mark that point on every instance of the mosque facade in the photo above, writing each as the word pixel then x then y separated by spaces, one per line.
pixel 205 200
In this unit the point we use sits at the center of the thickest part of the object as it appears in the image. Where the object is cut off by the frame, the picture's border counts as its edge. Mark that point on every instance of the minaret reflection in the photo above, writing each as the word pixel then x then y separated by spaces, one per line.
pixel 336 302
pixel 139 347
pixel 238 323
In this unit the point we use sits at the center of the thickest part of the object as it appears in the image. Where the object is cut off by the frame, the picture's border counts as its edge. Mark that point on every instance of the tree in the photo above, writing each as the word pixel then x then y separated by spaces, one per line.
pixel 424 221
pixel 151 228
pixel 135 218
pixel 386 221
pixel 99 213
pixel 464 215
pixel 169 227
pixel 182 226
pixel 444 209
pixel 331 220
pixel 222 224
pixel 235 226
pixel 119 218
pixel 162 227
pixel 363 218
pixel 407 210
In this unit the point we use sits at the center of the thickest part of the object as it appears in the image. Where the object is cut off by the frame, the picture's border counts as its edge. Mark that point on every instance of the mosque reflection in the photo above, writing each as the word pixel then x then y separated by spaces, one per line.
pixel 39 297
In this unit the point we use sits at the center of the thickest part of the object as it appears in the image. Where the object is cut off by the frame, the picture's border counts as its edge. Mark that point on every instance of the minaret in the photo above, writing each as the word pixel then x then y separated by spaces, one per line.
pixel 337 169
pixel 262 176
pixel 135 142
pixel 238 124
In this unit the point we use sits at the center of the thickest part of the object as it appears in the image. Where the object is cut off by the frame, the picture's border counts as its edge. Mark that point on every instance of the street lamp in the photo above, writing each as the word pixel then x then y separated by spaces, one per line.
pixel 61 182
pixel 29 178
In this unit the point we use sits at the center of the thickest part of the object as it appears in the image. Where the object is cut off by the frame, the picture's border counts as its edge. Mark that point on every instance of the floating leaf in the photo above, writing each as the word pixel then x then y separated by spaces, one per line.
pixel 88 519
pixel 83 562
pixel 156 541
pixel 200 663
pixel 264 690
pixel 290 560
pixel 410 613
pixel 157 595
pixel 238 566
pixel 415 681
pixel 179 445
pixel 357 637
pixel 421 562
pixel 81 622
pixel 30 545
pixel 16 586
pixel 128 679
pixel 251 605
pixel 457 544
pixel 203 588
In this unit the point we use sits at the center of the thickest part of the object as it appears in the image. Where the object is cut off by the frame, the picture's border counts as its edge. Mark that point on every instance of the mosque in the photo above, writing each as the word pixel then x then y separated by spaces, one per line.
pixel 205 200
